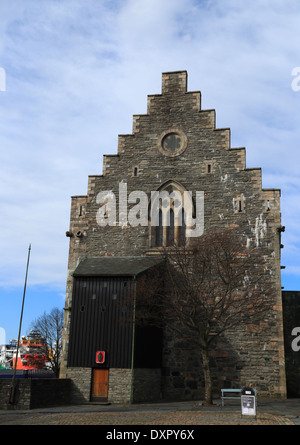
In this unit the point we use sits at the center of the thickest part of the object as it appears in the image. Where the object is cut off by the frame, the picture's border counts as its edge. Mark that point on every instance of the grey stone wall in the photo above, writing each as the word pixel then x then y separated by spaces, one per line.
pixel 81 384
pixel 119 385
pixel 22 394
pixel 235 363
pixel 146 385
pixel 35 393
pixel 234 197
pixel 124 386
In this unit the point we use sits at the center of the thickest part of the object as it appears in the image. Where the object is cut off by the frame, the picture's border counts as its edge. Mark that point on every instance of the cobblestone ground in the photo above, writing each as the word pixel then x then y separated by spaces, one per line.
pixel 142 418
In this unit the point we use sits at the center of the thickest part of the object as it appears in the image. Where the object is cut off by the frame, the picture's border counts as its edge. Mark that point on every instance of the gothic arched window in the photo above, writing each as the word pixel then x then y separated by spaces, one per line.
pixel 167 216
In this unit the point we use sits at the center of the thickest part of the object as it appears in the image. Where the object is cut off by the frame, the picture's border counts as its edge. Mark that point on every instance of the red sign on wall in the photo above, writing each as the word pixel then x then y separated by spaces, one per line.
pixel 100 357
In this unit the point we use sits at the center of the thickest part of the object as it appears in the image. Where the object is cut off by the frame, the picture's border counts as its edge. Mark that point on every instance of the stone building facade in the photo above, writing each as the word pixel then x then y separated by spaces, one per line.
pixel 174 147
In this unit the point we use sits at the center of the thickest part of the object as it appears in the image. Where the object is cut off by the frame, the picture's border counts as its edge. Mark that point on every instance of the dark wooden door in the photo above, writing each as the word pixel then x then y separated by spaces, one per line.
pixel 99 385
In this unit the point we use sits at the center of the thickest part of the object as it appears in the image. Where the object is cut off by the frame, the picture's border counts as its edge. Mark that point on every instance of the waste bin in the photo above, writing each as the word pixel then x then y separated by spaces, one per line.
pixel 248 402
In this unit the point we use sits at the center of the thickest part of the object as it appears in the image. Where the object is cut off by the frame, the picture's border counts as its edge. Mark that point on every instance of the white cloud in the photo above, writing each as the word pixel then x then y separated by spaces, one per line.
pixel 77 71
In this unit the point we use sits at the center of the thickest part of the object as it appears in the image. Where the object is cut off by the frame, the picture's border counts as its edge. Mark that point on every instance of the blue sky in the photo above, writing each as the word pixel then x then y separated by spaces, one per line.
pixel 76 72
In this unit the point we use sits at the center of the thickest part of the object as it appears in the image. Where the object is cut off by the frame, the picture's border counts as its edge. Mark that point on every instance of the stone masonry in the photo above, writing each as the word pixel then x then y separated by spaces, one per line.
pixel 233 197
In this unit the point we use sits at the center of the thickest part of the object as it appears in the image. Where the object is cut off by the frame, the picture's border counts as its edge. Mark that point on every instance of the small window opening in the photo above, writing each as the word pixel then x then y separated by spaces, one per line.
pixel 268 206
pixel 240 206
pixel 80 210
pixel 208 168
pixel 135 171
pixel 159 231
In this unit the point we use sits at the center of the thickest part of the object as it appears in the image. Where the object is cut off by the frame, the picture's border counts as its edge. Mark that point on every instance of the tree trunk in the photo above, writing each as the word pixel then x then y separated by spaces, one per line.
pixel 207 377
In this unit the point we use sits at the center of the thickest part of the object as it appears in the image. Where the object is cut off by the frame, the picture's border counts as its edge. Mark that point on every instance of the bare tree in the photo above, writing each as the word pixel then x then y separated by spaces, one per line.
pixel 49 327
pixel 210 286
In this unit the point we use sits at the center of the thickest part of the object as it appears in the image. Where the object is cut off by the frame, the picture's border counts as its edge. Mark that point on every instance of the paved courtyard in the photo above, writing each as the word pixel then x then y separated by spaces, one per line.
pixel 269 412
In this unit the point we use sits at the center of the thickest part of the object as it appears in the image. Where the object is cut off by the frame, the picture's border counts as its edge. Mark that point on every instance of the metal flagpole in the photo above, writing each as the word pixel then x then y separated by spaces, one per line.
pixel 12 389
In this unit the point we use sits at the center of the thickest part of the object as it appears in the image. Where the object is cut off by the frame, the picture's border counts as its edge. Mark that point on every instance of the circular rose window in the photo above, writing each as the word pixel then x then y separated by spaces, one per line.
pixel 172 143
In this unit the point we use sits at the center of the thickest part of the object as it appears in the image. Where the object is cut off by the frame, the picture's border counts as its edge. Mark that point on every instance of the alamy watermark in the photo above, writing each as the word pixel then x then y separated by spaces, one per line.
pixel 187 210
pixel 2 79
pixel 2 336
pixel 296 341
pixel 296 80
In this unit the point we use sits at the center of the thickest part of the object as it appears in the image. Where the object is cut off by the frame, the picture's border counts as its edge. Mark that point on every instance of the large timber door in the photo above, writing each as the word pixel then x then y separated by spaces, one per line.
pixel 99 385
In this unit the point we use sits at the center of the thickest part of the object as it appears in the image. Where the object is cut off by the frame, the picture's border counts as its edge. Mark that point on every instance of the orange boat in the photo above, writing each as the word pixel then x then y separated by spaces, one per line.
pixel 31 354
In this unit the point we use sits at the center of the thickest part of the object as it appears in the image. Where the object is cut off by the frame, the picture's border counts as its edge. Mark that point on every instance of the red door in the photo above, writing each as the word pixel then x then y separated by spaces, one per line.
pixel 99 385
